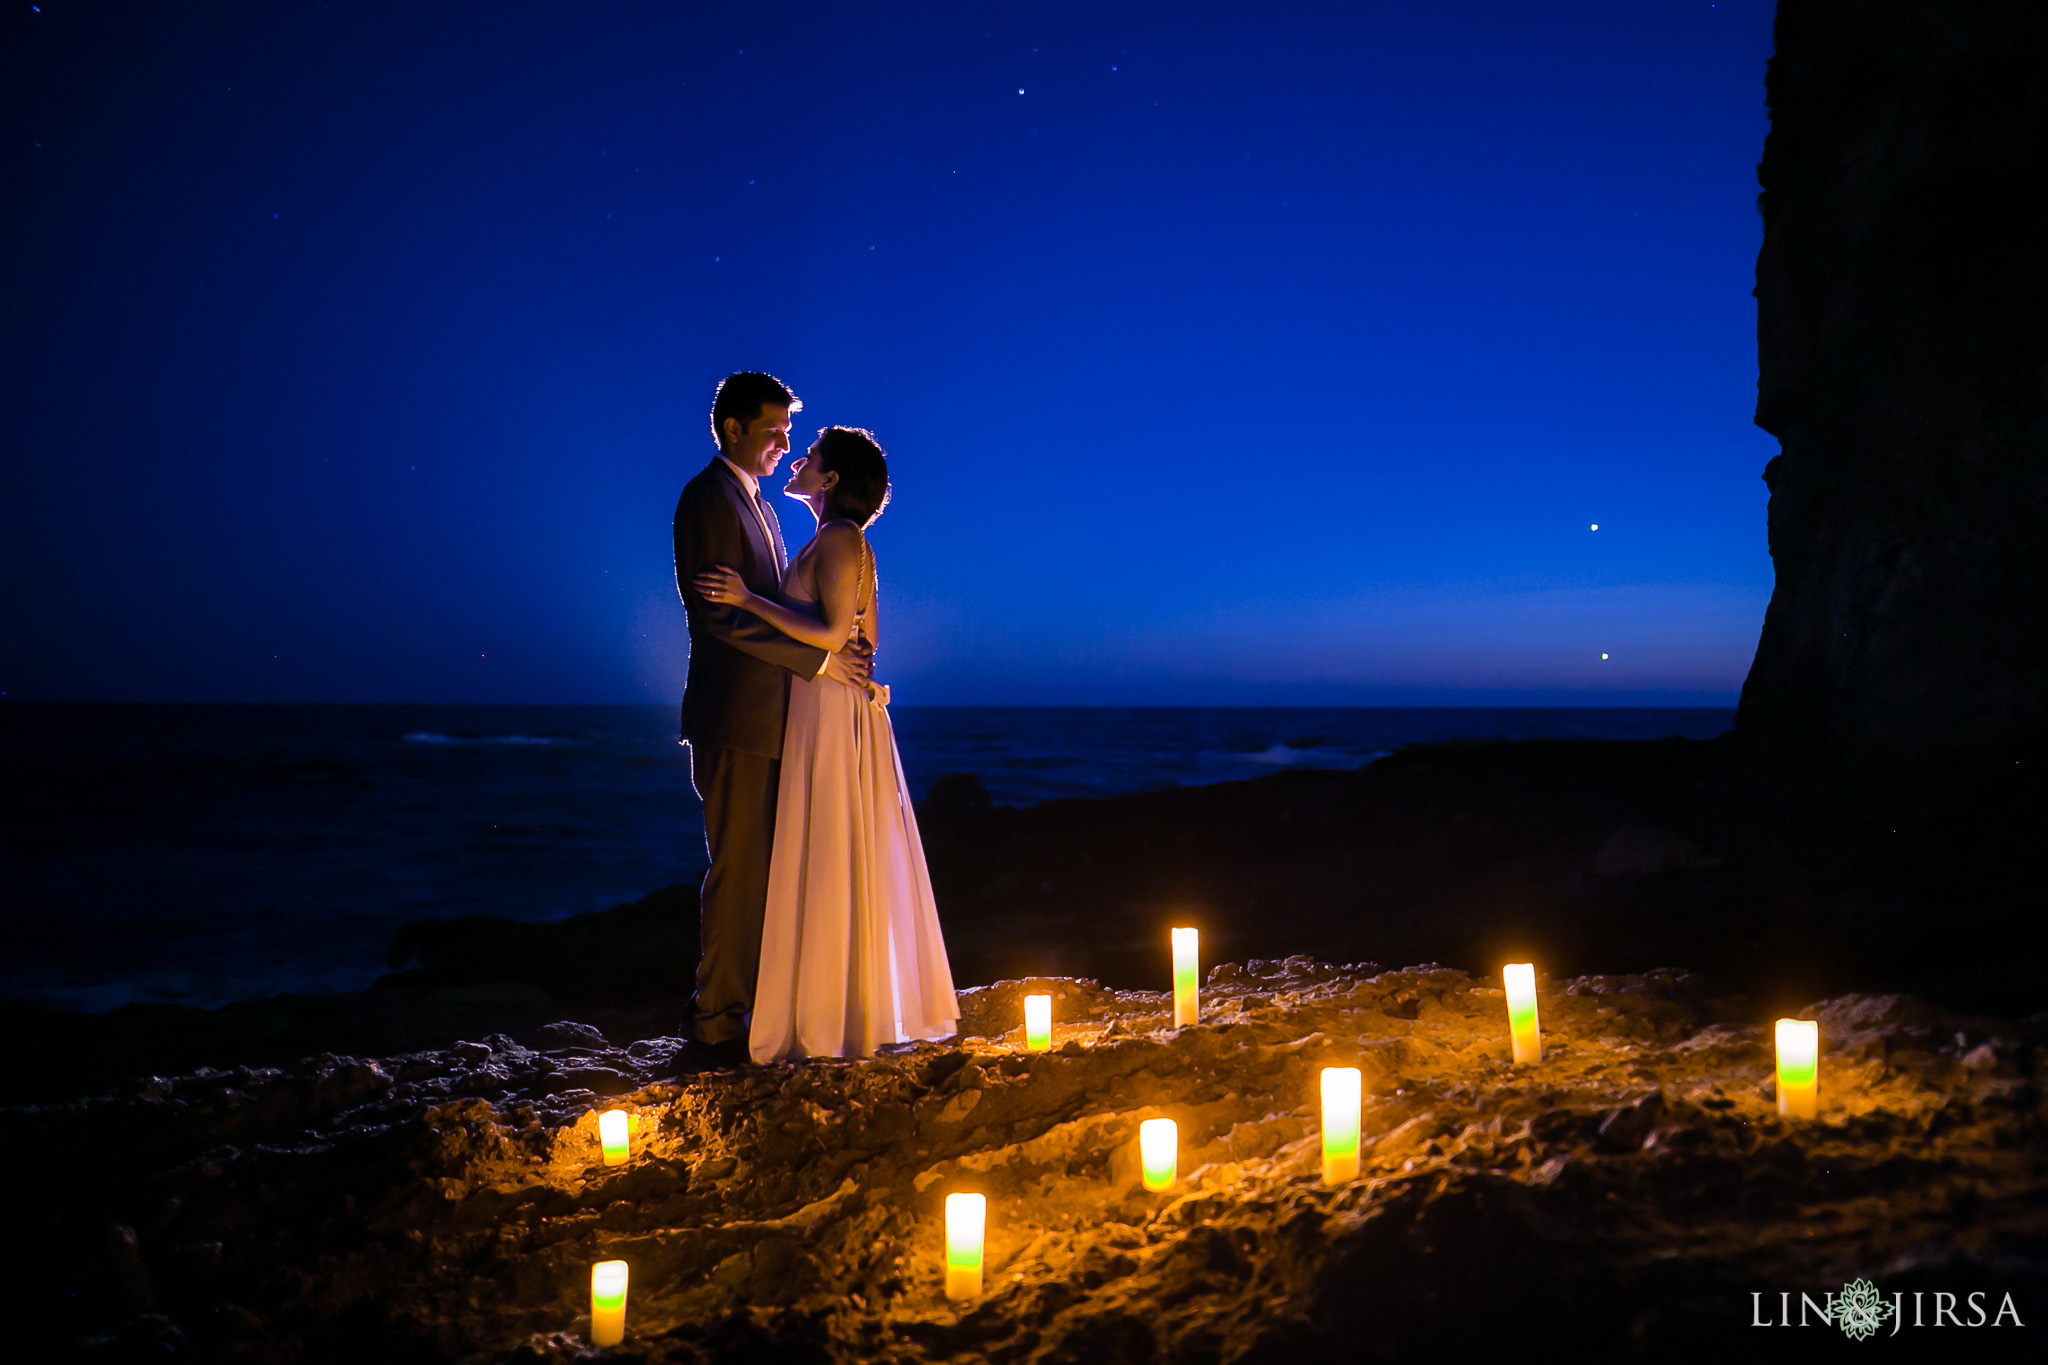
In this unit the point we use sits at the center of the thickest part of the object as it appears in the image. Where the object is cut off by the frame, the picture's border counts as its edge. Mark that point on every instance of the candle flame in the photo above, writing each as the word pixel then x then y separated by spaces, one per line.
pixel 608 1283
pixel 612 1136
pixel 1798 1068
pixel 1187 954
pixel 1159 1153
pixel 966 1225
pixel 1037 1023
pixel 607 1303
pixel 1520 980
pixel 1343 1091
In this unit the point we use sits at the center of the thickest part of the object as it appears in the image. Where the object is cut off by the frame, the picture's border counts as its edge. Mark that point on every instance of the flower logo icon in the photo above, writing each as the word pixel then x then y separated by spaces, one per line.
pixel 1860 1310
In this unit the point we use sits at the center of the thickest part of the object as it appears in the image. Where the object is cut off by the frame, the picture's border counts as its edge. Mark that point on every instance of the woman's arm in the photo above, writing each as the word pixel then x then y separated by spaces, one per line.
pixel 835 568
pixel 707 532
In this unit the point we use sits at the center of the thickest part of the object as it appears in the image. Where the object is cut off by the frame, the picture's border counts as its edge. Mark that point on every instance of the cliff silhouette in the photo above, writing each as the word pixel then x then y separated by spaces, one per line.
pixel 1902 357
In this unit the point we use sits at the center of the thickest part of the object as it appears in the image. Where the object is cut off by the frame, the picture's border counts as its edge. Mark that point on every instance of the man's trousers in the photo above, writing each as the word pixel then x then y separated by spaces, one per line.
pixel 738 791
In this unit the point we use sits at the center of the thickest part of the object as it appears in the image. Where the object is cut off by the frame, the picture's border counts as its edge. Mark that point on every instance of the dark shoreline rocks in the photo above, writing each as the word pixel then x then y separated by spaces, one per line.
pixel 1583 856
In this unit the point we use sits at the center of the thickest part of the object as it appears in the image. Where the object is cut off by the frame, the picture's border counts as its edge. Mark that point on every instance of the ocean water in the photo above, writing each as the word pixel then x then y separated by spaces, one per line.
pixel 200 854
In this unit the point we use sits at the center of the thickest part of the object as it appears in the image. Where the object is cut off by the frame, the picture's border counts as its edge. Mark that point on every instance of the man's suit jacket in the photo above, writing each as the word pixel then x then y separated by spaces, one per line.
pixel 737 694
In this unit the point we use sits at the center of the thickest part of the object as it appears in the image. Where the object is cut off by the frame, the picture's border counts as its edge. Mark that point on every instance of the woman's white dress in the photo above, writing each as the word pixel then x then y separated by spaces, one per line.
pixel 851 954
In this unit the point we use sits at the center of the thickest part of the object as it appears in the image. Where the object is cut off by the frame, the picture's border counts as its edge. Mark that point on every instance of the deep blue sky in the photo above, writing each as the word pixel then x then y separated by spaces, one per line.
pixel 1224 353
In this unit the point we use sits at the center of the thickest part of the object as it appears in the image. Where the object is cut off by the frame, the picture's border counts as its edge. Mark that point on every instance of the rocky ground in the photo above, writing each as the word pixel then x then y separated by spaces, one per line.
pixel 1623 1199
pixel 339 1179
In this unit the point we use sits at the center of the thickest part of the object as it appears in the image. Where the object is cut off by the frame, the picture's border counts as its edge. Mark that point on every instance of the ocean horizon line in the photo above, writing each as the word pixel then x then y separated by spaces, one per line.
pixel 1678 702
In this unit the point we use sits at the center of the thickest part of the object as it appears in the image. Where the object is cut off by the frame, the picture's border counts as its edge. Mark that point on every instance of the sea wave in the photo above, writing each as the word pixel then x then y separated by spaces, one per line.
pixel 1281 754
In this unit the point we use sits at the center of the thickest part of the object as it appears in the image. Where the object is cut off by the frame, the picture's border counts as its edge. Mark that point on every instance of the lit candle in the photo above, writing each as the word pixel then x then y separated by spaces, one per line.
pixel 1037 1023
pixel 1159 1153
pixel 966 1221
pixel 611 1131
pixel 1187 952
pixel 1798 1068
pixel 607 1303
pixel 1521 983
pixel 1342 1100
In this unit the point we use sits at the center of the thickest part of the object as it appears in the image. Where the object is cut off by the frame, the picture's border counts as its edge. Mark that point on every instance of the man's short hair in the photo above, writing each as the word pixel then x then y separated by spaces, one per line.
pixel 741 397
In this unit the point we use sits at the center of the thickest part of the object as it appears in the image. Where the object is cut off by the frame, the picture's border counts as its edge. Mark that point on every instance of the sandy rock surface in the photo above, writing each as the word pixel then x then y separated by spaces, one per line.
pixel 1632 1191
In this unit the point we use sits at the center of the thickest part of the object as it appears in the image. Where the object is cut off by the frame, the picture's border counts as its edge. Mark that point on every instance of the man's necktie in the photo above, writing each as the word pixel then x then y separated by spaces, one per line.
pixel 774 546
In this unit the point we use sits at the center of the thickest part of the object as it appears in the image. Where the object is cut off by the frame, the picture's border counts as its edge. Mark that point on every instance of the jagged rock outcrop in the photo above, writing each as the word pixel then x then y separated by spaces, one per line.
pixel 1902 354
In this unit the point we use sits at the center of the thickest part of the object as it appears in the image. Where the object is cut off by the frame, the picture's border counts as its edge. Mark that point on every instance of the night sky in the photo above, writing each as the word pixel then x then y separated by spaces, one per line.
pixel 1224 353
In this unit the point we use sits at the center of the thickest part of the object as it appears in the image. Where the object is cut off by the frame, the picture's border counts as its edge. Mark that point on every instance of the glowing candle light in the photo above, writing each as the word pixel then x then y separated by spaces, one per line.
pixel 1798 1068
pixel 1187 953
pixel 1159 1153
pixel 607 1303
pixel 1037 1023
pixel 966 1222
pixel 611 1132
pixel 1520 978
pixel 1343 1089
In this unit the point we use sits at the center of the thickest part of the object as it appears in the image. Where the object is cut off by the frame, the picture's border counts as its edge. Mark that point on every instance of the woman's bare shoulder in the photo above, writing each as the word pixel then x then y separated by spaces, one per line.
pixel 839 539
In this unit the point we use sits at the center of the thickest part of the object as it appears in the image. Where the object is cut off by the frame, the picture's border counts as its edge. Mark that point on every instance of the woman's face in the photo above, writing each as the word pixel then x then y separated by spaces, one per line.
pixel 806 478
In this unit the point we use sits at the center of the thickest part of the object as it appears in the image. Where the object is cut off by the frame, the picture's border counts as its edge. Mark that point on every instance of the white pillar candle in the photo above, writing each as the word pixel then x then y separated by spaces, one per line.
pixel 1159 1153
pixel 612 1135
pixel 966 1226
pixel 1187 953
pixel 1798 1068
pixel 1037 1023
pixel 1343 1099
pixel 607 1303
pixel 1520 979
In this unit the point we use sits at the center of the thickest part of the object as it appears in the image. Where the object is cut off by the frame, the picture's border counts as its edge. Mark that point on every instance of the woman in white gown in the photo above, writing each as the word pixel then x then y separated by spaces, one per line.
pixel 851 954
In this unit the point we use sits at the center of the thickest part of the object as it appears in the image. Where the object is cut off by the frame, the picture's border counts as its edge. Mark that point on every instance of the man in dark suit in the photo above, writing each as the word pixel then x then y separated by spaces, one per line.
pixel 737 695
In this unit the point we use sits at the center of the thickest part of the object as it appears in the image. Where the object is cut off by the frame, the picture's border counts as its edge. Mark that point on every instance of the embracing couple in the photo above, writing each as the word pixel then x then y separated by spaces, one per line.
pixel 820 936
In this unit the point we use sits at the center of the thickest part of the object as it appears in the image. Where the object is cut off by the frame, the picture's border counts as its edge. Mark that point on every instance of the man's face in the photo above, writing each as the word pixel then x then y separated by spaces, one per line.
pixel 763 444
